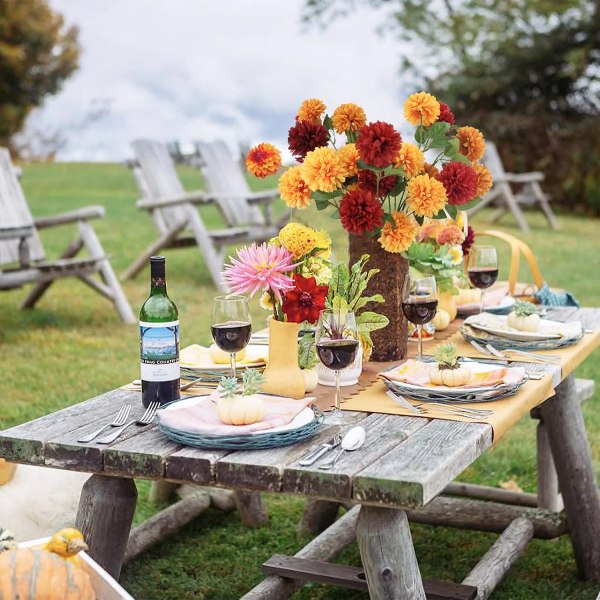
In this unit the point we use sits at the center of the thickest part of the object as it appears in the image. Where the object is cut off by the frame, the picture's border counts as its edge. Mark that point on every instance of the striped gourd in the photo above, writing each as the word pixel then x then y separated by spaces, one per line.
pixel 39 574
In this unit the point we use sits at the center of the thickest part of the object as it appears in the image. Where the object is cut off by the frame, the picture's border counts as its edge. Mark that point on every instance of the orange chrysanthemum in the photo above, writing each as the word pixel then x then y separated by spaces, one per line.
pixel 472 144
pixel 401 236
pixel 451 235
pixel 411 159
pixel 429 230
pixel 484 179
pixel 263 160
pixel 311 110
pixel 426 196
pixel 293 189
pixel 421 109
pixel 349 158
pixel 431 170
pixel 322 170
pixel 348 117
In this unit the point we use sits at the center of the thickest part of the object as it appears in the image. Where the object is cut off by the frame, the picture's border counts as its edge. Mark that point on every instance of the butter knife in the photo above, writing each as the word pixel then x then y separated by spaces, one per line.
pixel 314 456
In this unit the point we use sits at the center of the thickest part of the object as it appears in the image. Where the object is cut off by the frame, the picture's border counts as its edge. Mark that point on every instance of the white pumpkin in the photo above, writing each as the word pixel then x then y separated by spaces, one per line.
pixel 241 410
pixel 523 322
pixel 441 320
pixel 467 296
pixel 311 378
pixel 449 377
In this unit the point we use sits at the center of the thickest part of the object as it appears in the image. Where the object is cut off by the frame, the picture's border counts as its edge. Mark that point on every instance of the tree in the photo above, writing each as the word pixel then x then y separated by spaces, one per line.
pixel 527 72
pixel 37 54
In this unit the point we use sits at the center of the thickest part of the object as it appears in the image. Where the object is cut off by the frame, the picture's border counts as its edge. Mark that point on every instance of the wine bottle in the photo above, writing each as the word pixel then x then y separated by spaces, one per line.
pixel 159 340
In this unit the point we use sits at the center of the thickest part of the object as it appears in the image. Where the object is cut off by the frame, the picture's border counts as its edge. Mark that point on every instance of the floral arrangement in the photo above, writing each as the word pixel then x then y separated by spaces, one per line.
pixel 377 183
pixel 292 271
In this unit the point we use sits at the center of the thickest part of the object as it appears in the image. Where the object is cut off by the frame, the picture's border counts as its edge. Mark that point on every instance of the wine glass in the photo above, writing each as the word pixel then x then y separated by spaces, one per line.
pixel 482 268
pixel 231 325
pixel 336 338
pixel 419 303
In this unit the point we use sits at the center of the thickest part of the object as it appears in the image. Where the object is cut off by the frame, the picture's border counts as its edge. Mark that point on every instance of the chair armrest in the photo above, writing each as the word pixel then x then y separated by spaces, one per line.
pixel 15 233
pixel 81 214
pixel 522 177
pixel 188 197
pixel 263 196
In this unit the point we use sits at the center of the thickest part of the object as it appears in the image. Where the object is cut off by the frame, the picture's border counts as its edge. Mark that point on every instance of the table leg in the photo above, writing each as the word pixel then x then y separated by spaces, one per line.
pixel 388 554
pixel 572 457
pixel 104 517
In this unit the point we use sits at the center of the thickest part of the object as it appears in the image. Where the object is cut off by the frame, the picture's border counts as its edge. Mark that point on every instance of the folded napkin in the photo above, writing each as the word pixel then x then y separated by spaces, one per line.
pixel 416 372
pixel 492 298
pixel 198 357
pixel 201 417
pixel 547 297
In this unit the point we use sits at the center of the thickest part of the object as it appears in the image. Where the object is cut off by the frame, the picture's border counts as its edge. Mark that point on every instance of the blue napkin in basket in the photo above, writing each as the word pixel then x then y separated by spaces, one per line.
pixel 547 297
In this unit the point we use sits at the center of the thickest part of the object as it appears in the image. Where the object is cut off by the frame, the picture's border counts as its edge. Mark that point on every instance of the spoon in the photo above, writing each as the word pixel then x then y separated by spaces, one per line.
pixel 353 440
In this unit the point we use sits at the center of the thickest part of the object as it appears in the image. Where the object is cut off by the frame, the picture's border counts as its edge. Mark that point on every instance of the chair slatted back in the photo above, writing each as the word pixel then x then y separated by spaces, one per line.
pixel 157 178
pixel 14 212
pixel 223 175
pixel 493 162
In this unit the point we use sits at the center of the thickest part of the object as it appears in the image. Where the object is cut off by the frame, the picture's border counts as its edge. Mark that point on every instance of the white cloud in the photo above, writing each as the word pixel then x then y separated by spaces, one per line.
pixel 195 69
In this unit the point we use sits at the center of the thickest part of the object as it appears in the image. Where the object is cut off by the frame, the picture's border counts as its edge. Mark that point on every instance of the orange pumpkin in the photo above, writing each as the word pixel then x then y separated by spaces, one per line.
pixel 42 575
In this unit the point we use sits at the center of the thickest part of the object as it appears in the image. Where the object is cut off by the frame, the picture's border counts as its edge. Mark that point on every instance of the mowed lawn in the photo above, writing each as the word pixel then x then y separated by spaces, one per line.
pixel 73 347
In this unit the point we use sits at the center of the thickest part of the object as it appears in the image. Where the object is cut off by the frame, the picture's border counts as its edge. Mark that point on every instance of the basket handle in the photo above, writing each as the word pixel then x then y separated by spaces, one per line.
pixel 517 247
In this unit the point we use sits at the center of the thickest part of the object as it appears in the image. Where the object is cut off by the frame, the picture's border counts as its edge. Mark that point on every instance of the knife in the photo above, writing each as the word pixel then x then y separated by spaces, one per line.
pixel 314 456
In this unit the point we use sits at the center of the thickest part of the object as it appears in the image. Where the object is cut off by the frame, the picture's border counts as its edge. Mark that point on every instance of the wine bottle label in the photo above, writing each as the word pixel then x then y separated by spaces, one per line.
pixel 159 351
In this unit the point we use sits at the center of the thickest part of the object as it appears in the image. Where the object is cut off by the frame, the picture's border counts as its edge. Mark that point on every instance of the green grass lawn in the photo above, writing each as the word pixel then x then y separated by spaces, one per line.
pixel 73 347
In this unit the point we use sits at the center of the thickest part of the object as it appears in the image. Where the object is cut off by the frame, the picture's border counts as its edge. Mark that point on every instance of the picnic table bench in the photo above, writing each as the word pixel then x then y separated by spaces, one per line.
pixel 399 475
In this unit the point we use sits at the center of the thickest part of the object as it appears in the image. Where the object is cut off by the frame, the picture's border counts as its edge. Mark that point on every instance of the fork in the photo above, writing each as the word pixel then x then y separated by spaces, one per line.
pixel 541 357
pixel 469 413
pixel 119 420
pixel 145 419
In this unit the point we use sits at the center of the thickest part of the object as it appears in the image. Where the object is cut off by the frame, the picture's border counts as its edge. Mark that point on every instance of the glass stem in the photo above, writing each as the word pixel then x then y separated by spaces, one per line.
pixel 420 338
pixel 336 402
pixel 232 361
pixel 482 297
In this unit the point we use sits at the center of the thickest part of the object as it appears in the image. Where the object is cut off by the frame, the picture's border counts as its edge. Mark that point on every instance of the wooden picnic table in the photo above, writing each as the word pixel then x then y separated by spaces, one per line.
pixel 406 463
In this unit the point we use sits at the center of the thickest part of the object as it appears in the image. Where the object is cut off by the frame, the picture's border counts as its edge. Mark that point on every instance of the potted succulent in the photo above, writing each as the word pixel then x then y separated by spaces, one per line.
pixel 245 408
pixel 524 317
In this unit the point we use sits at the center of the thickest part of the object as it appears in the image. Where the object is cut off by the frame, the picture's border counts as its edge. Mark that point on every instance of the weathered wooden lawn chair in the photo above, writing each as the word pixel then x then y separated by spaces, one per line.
pixel 22 257
pixel 177 218
pixel 504 198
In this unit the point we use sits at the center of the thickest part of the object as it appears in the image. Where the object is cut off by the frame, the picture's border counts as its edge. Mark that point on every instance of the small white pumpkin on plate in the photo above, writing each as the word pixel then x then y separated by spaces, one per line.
pixel 447 370
pixel 524 317
pixel 241 409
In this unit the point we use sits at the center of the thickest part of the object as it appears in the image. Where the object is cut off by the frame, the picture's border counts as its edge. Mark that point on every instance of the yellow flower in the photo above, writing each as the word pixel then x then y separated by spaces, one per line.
pixel 348 117
pixel 472 144
pixel 311 110
pixel 293 189
pixel 411 159
pixel 300 239
pixel 401 236
pixel 349 158
pixel 421 109
pixel 484 179
pixel 317 268
pixel 266 301
pixel 322 170
pixel 263 160
pixel 426 196
pixel 455 254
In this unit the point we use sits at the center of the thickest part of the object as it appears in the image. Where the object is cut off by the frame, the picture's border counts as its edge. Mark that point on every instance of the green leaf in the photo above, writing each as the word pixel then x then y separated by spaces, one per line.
pixel 339 305
pixel 321 203
pixel 438 129
pixel 441 215
pixel 419 219
pixel 452 211
pixel 452 147
pixel 470 203
pixel 363 165
pixel 420 134
pixel 306 351
pixel 327 122
pixel 461 158
pixel 328 195
pixel 351 136
pixel 362 302
pixel 370 321
pixel 398 188
pixel 395 171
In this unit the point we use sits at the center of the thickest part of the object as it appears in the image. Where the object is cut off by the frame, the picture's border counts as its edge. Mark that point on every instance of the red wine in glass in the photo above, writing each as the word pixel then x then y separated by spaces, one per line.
pixel 231 336
pixel 418 311
pixel 483 277
pixel 337 354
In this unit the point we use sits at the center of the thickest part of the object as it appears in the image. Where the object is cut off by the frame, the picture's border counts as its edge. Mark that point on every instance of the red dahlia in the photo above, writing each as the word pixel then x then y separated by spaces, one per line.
pixel 378 143
pixel 304 137
pixel 368 181
pixel 460 181
pixel 305 301
pixel 446 114
pixel 469 239
pixel 360 211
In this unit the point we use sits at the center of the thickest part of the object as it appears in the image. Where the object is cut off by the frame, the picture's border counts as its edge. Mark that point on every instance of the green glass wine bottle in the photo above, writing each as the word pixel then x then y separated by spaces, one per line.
pixel 159 340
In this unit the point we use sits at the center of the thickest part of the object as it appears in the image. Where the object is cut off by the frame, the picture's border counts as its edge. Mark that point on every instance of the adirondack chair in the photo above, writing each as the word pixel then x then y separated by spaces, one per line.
pixel 503 196
pixel 22 257
pixel 177 218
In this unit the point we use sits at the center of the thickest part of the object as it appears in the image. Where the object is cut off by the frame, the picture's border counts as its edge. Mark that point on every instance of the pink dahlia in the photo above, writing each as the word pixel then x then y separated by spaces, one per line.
pixel 260 268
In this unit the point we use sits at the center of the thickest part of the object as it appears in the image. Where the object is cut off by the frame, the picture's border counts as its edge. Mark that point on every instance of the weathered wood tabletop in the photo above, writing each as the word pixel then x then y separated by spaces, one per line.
pixel 405 463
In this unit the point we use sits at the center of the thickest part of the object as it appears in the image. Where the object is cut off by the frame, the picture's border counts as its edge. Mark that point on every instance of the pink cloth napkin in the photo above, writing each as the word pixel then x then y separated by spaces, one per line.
pixel 492 298
pixel 417 373
pixel 201 417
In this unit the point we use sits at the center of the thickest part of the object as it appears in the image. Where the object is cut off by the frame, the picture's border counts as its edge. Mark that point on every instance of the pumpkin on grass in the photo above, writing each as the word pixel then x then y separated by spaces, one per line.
pixel 42 575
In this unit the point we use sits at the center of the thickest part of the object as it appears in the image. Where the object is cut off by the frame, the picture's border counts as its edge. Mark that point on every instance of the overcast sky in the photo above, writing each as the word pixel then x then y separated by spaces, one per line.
pixel 201 69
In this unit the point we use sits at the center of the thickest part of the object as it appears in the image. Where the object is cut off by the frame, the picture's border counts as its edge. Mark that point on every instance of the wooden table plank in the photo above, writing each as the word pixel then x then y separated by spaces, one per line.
pixel 194 465
pixel 384 432
pixel 416 471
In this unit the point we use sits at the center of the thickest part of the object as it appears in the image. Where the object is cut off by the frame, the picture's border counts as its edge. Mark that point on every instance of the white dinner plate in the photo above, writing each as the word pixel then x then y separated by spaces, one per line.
pixel 197 358
pixel 304 417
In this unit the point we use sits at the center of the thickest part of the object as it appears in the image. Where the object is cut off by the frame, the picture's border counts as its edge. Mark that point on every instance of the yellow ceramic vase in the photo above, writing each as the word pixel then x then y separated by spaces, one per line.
pixel 283 376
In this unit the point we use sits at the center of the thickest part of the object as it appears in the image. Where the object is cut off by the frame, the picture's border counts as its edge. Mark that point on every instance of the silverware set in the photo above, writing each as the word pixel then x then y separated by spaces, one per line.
pixel 422 408
pixel 120 420
pixel 488 350
pixel 351 441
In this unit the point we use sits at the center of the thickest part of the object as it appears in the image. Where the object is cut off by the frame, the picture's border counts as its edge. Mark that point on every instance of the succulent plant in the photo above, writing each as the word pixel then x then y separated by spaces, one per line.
pixel 253 380
pixel 229 387
pixel 446 356
pixel 524 309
